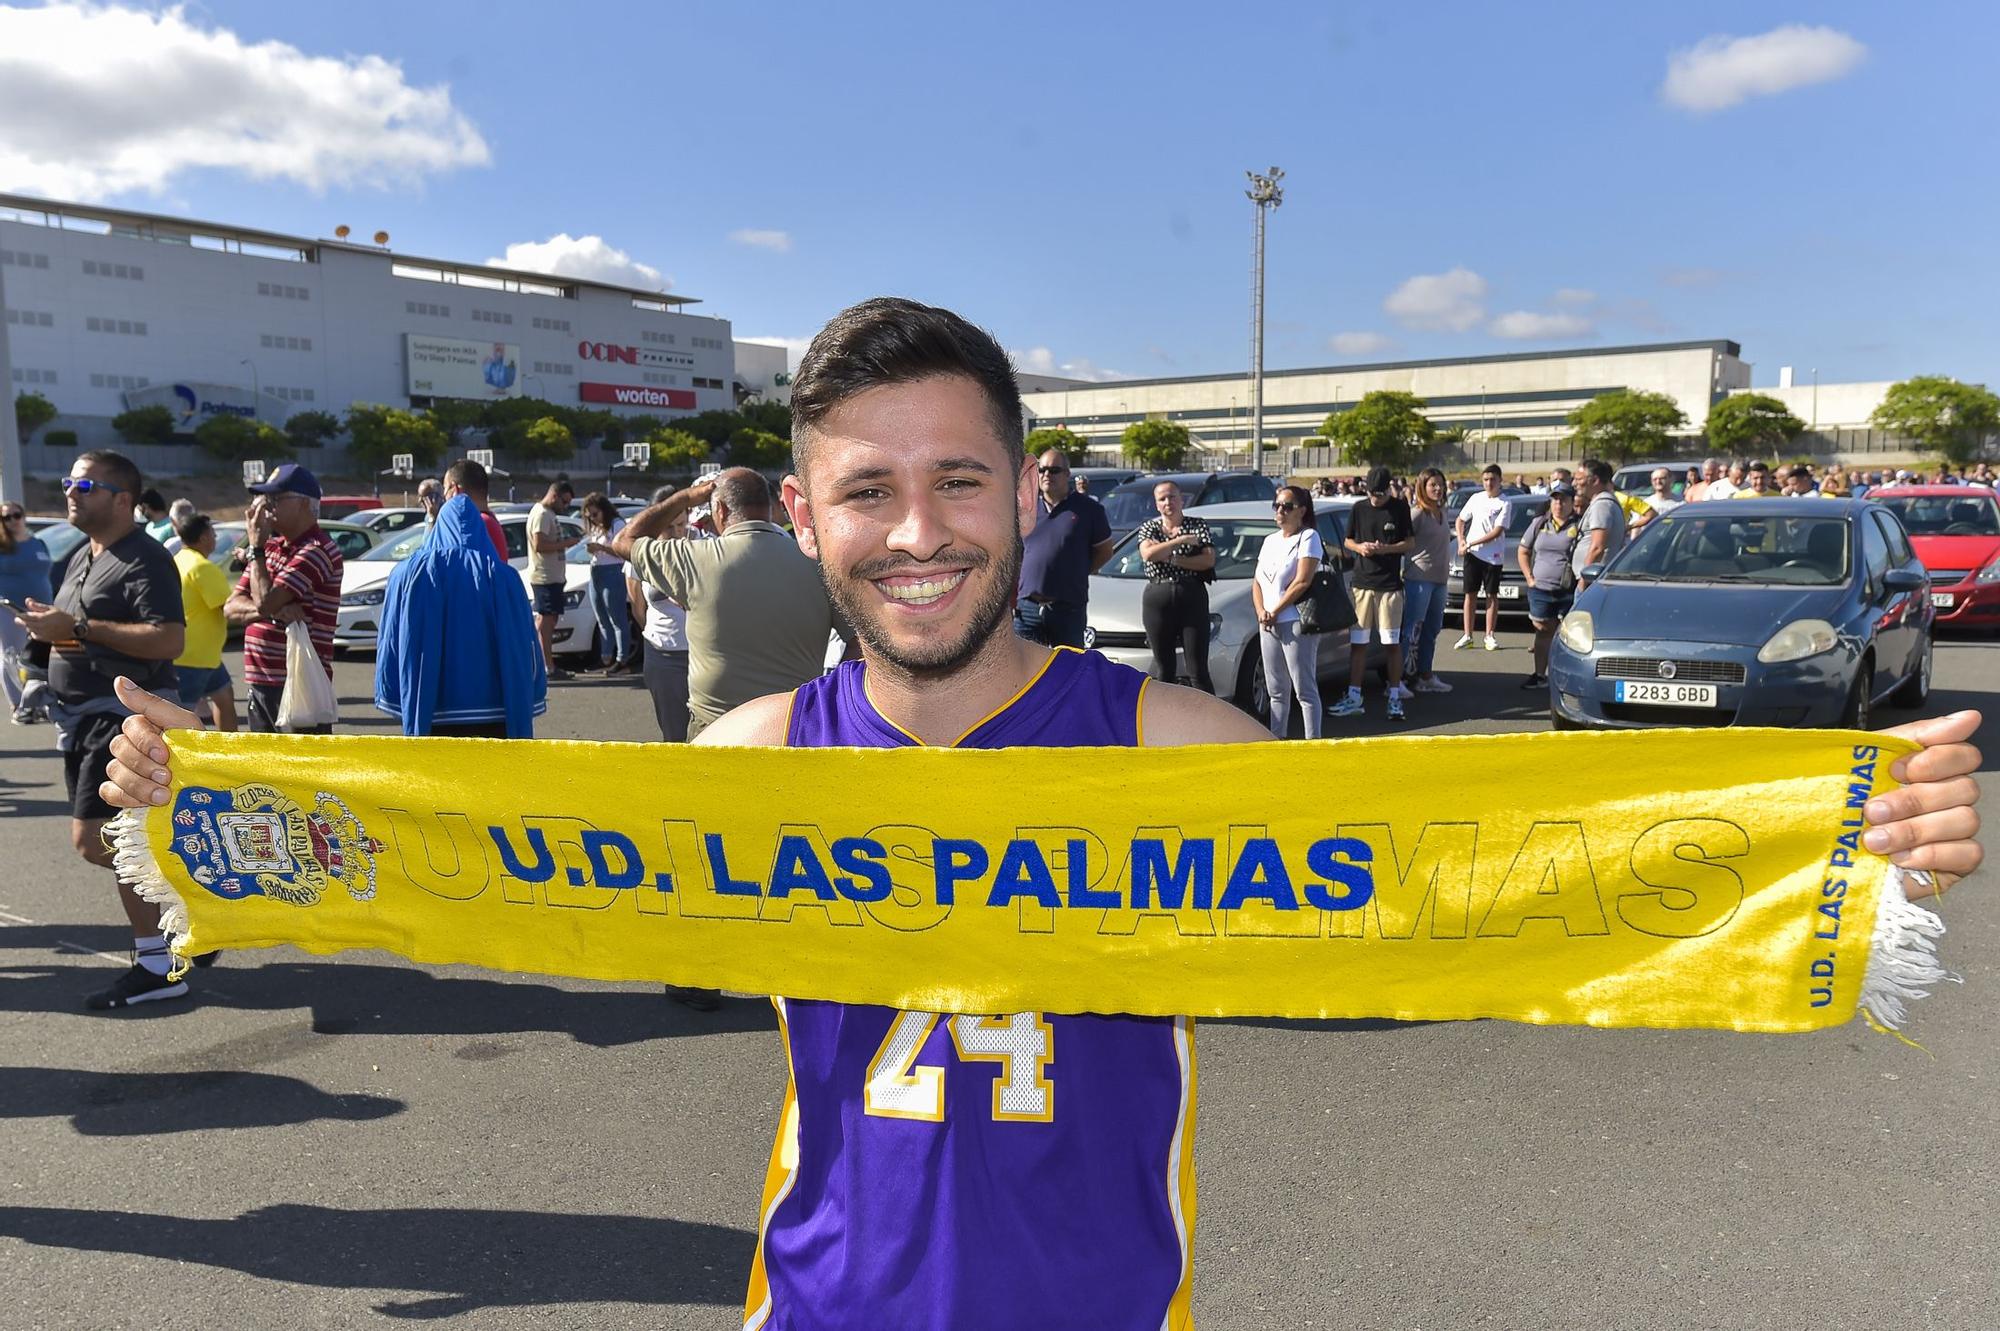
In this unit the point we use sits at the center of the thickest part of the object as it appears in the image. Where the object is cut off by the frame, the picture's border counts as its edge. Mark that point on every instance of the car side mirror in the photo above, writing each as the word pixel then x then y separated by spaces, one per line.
pixel 1905 580
pixel 1592 572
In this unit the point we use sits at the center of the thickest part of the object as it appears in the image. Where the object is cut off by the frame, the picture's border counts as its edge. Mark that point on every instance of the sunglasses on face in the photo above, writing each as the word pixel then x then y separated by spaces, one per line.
pixel 83 485
pixel 13 517
pixel 1051 471
pixel 1283 506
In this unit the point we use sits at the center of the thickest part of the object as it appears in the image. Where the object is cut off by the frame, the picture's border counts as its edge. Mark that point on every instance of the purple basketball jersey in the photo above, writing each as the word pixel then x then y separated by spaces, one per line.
pixel 1032 1170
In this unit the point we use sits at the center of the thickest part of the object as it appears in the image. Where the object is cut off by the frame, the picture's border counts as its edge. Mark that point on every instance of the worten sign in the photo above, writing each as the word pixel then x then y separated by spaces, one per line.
pixel 632 395
pixel 452 367
pixel 614 353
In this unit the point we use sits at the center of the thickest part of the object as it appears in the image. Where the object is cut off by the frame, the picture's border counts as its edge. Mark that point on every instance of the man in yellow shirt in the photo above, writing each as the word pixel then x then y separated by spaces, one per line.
pixel 204 588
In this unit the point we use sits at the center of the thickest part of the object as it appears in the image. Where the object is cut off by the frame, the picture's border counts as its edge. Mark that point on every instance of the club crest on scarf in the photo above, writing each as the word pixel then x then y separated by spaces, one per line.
pixel 254 840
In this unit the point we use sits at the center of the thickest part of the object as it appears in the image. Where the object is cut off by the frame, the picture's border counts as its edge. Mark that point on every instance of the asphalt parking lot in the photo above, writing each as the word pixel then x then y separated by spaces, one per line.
pixel 332 1143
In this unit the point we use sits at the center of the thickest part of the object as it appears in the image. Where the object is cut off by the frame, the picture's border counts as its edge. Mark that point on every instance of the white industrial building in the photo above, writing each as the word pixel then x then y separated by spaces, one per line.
pixel 108 309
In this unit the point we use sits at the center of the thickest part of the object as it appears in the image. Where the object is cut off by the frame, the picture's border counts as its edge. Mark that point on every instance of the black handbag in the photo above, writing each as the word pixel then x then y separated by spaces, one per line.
pixel 1327 607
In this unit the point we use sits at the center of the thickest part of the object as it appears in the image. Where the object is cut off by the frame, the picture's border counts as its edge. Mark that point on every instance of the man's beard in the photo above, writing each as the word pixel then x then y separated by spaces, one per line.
pixel 858 602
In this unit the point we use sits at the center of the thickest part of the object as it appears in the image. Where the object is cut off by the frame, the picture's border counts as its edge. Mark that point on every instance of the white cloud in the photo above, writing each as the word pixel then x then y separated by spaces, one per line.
pixel 1359 344
pixel 778 241
pixel 1439 301
pixel 1574 296
pixel 588 257
pixel 1718 72
pixel 1529 326
pixel 795 347
pixel 102 99
pixel 1040 360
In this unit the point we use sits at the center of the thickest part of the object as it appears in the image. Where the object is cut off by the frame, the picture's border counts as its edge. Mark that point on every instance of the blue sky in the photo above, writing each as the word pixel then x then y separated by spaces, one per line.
pixel 1071 176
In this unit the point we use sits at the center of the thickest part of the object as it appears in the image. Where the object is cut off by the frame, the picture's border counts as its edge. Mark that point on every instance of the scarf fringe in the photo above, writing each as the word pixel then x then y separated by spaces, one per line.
pixel 133 863
pixel 1902 961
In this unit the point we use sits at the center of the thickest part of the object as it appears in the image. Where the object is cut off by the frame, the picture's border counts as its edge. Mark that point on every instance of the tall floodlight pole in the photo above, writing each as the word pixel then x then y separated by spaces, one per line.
pixel 13 489
pixel 1266 194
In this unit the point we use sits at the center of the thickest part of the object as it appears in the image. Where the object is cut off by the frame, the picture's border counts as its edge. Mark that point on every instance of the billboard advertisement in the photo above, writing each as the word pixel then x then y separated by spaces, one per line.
pixel 193 402
pixel 453 367
pixel 631 395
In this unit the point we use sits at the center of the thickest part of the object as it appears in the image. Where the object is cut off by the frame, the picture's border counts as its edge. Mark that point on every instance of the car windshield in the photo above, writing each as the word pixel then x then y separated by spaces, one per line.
pixel 1695 546
pixel 1946 515
pixel 1128 508
pixel 1237 541
pixel 396 549
pixel 58 538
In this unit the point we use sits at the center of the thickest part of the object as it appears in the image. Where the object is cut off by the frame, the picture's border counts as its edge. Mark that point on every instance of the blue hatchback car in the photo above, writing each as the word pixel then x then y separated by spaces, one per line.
pixel 1756 612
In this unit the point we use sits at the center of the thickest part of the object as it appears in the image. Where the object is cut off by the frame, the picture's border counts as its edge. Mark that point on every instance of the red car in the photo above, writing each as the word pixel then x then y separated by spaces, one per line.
pixel 341 506
pixel 1956 530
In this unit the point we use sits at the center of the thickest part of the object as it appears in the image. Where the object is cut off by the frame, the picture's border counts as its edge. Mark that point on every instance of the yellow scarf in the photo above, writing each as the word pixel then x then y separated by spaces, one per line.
pixel 1665 878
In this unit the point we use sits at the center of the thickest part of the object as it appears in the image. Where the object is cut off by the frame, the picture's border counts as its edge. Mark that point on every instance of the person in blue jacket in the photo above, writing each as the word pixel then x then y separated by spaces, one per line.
pixel 457 652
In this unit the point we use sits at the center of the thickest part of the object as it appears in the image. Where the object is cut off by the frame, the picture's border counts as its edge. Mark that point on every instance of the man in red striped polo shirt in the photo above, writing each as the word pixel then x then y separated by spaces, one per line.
pixel 293 574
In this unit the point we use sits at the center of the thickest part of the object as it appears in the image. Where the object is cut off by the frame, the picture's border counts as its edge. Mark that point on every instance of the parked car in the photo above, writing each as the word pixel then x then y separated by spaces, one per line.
pixel 62 540
pixel 1103 480
pixel 342 506
pixel 1235 660
pixel 364 581
pixel 1772 612
pixel 1522 509
pixel 1956 532
pixel 354 541
pixel 388 521
pixel 1130 504
pixel 1636 478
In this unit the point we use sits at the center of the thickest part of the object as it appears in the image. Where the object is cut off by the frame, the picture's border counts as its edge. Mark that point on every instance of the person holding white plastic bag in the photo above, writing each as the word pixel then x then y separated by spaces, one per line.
pixel 293 577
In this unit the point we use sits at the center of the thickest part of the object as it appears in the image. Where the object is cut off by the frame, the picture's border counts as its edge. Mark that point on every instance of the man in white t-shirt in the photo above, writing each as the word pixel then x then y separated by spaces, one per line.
pixel 548 547
pixel 1725 487
pixel 1482 528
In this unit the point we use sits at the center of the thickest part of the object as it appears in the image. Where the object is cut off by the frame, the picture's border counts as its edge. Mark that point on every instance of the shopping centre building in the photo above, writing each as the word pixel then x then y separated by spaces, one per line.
pixel 108 309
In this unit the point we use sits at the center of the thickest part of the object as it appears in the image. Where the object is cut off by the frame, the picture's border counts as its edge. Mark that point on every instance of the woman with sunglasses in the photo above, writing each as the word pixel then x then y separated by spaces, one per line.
pixel 24 575
pixel 1285 567
pixel 1426 570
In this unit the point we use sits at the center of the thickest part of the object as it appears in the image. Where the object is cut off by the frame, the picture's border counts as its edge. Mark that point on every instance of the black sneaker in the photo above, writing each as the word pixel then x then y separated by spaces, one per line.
pixel 700 1000
pixel 137 985
pixel 1535 682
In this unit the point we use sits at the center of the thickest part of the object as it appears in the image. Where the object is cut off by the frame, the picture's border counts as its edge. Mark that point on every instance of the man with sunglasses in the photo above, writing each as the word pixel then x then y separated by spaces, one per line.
pixel 117 614
pixel 1071 541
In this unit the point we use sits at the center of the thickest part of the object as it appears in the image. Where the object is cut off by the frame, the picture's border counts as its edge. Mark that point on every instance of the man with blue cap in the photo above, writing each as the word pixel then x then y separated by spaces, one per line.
pixel 293 574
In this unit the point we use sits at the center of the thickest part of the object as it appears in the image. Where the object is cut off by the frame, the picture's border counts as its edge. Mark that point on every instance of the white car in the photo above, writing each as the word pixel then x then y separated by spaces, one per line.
pixel 388 521
pixel 365 580
pixel 1235 659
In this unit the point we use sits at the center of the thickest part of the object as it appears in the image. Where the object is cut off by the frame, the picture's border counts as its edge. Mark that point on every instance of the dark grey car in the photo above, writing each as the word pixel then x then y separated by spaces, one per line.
pixel 1132 503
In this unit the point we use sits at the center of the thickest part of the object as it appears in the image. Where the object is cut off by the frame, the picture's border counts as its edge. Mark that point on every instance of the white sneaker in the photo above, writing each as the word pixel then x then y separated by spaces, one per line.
pixel 1464 641
pixel 1492 643
pixel 1432 684
pixel 1349 705
pixel 1400 691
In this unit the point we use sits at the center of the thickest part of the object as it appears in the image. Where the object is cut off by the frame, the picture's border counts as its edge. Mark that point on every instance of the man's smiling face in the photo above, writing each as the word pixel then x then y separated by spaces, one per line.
pixel 915 510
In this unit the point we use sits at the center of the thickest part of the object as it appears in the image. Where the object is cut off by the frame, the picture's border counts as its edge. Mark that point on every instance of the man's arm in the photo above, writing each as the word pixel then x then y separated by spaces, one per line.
pixel 1100 555
pixel 659 519
pixel 1172 715
pixel 143 641
pixel 759 723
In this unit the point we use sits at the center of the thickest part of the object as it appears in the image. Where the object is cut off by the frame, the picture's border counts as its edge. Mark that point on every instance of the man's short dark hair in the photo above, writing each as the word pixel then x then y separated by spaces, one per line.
pixel 193 529
pixel 1758 465
pixel 1598 468
pixel 562 486
pixel 469 476
pixel 152 499
pixel 1491 469
pixel 742 490
pixel 665 492
pixel 890 340
pixel 124 471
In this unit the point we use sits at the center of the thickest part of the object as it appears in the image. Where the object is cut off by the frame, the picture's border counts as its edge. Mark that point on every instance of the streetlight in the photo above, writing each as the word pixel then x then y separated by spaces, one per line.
pixel 256 390
pixel 1265 193
pixel 12 487
pixel 1815 406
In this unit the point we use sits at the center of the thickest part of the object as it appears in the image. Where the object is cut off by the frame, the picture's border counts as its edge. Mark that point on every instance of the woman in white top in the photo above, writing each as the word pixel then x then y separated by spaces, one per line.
pixel 607 582
pixel 1285 567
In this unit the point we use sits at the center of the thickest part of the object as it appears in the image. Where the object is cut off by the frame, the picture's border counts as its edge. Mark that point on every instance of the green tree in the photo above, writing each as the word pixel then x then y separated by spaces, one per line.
pixel 1503 438
pixel 547 438
pixel 1752 423
pixel 1385 427
pixel 1155 445
pixel 310 429
pixel 31 412
pixel 233 438
pixel 379 433
pixel 676 450
pixel 607 427
pixel 1948 418
pixel 456 415
pixel 1061 439
pixel 770 417
pixel 1621 425
pixel 750 447
pixel 145 425
pixel 712 427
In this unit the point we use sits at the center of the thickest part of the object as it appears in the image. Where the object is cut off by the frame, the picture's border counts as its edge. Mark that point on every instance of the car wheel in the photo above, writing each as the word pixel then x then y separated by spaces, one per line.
pixel 1252 694
pixel 1856 714
pixel 1917 688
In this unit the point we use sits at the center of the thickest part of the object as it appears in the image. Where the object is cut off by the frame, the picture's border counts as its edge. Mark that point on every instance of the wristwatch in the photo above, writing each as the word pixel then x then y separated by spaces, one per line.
pixel 81 629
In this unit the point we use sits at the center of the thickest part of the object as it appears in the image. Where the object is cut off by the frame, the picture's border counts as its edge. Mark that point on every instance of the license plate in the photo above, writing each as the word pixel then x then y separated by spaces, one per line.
pixel 1510 591
pixel 1664 693
pixel 1943 600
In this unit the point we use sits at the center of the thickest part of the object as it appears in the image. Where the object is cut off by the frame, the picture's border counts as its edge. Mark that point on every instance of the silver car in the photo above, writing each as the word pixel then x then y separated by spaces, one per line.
pixel 1235 661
